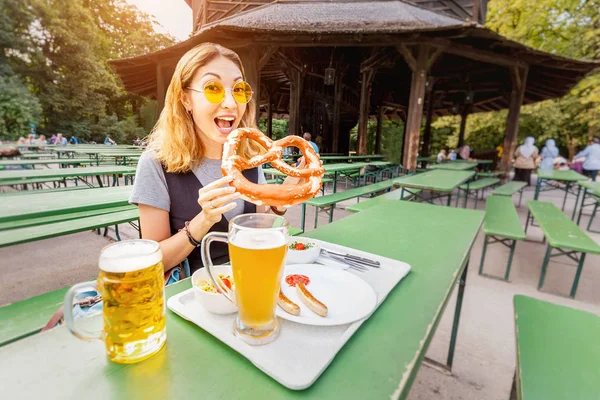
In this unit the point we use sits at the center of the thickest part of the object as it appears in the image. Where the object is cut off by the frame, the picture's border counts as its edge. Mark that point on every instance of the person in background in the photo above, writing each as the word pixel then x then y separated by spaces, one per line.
pixel 548 154
pixel 525 156
pixel 442 157
pixel 464 153
pixel 73 140
pixel 591 165
pixel 307 136
pixel 560 163
pixel 452 155
pixel 109 141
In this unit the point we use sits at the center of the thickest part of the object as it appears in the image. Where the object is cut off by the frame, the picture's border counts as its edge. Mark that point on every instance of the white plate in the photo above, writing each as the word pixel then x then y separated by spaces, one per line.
pixel 348 298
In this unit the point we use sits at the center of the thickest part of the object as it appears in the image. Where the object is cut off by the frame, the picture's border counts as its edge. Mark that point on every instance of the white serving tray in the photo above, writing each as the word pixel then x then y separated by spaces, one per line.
pixel 301 353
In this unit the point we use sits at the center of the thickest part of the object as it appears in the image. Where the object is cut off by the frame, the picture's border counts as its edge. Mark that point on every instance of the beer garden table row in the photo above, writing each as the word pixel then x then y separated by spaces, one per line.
pixel 381 360
pixel 439 182
pixel 63 173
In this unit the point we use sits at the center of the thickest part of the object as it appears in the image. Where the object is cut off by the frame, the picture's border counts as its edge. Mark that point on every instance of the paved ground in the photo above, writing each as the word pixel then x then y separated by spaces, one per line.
pixel 485 354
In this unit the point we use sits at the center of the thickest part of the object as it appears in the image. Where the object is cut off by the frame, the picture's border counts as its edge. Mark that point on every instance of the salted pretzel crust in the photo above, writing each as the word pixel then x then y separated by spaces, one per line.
pixel 273 195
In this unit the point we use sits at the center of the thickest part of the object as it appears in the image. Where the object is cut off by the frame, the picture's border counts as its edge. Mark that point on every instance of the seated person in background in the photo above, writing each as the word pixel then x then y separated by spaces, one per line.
pixel 109 141
pixel 307 136
pixel 464 153
pixel 561 164
pixel 442 157
pixel 452 155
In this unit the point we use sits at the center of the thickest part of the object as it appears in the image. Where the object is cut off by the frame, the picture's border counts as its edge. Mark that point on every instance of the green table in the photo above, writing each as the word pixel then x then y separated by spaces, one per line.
pixel 351 158
pixel 439 182
pixel 124 155
pixel 70 161
pixel 456 166
pixel 36 205
pixel 329 169
pixel 65 173
pixel 565 181
pixel 380 361
pixel 557 351
pixel 591 191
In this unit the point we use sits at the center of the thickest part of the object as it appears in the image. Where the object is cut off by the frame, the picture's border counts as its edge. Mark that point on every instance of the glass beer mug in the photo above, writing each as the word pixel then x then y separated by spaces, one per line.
pixel 257 248
pixel 131 284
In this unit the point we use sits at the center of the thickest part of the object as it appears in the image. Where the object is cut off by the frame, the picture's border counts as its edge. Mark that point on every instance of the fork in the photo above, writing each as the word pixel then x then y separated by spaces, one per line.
pixel 352 258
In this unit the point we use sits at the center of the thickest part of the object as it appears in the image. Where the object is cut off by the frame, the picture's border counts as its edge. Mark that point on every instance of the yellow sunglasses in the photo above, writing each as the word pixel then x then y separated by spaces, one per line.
pixel 214 91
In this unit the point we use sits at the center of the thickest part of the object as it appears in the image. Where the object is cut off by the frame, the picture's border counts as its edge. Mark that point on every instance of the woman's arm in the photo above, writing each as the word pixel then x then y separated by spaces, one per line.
pixel 175 248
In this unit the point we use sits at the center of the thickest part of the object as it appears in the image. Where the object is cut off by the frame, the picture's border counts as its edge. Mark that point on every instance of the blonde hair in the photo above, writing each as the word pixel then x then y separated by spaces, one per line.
pixel 173 139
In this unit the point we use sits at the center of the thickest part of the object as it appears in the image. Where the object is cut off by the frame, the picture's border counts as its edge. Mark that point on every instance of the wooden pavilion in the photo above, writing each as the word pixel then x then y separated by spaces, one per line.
pixel 330 64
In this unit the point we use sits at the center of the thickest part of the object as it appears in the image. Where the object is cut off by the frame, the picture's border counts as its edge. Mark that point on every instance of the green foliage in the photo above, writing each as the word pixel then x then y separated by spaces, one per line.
pixel 392 132
pixel 18 107
pixel 280 127
pixel 60 48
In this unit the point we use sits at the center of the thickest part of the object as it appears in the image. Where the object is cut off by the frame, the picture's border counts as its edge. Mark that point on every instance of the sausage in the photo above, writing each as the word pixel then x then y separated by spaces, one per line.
pixel 307 298
pixel 287 305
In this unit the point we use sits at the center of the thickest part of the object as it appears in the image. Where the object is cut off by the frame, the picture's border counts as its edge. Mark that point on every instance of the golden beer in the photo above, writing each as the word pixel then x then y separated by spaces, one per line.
pixel 257 248
pixel 131 284
pixel 257 276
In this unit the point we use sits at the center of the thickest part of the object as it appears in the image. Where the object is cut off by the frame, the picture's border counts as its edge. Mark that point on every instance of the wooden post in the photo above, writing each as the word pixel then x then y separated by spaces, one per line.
pixel 295 102
pixel 363 119
pixel 464 114
pixel 415 107
pixel 270 115
pixel 380 113
pixel 427 132
pixel 519 79
pixel 337 110
pixel 161 89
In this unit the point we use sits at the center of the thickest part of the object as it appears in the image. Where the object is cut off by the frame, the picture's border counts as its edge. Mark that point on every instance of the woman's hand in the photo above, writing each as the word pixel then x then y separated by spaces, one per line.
pixel 216 200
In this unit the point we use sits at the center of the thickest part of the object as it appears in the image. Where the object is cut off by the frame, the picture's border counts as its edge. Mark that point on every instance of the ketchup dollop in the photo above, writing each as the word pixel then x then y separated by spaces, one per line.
pixel 294 279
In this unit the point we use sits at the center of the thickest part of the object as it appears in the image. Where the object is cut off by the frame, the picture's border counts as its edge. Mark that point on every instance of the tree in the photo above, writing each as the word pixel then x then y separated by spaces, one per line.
pixel 18 107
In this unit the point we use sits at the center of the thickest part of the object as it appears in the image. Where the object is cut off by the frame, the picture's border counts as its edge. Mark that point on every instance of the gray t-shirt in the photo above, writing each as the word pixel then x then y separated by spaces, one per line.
pixel 150 187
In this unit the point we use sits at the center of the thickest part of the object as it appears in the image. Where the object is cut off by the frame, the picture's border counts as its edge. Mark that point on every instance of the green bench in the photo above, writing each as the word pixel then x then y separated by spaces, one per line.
pixel 59 189
pixel 490 174
pixel 28 317
pixel 327 203
pixel 35 181
pixel 473 187
pixel 563 235
pixel 393 195
pixel 510 188
pixel 591 192
pixel 501 225
pixel 557 351
pixel 39 232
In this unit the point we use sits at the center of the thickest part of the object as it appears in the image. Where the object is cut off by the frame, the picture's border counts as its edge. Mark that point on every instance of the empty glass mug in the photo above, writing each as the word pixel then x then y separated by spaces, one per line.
pixel 257 249
pixel 131 284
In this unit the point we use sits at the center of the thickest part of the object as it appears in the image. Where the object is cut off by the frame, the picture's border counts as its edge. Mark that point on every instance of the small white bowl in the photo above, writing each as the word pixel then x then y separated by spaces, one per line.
pixel 307 256
pixel 216 303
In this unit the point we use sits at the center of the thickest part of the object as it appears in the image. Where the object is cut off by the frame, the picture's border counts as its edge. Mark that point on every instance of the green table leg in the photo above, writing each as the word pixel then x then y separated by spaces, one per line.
pixel 449 199
pixel 538 185
pixel 582 204
pixel 577 275
pixel 303 217
pixel 566 194
pixel 485 242
pixel 335 178
pixel 510 258
pixel 576 201
pixel 592 219
pixel 459 300
pixel 544 266
pixel 317 209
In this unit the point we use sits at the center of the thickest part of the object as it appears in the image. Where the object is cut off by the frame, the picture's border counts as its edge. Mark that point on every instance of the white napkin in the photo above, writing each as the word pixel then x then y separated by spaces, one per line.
pixel 331 263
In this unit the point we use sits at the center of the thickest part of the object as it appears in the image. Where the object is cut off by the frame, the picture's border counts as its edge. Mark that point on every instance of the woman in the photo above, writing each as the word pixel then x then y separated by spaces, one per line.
pixel 525 156
pixel 591 165
pixel 548 154
pixel 179 187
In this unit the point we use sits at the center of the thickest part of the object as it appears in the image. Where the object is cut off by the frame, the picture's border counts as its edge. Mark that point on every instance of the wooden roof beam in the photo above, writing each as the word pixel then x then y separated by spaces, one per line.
pixel 477 54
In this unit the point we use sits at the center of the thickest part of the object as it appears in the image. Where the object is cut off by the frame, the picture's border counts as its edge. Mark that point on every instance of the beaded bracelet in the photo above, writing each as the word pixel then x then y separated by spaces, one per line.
pixel 191 239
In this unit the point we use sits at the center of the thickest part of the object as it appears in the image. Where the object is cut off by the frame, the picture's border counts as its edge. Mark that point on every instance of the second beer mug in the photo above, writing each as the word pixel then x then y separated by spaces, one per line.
pixel 257 249
pixel 132 287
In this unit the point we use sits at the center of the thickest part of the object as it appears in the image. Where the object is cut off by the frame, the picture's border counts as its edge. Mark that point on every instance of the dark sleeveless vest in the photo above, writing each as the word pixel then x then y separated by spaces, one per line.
pixel 183 192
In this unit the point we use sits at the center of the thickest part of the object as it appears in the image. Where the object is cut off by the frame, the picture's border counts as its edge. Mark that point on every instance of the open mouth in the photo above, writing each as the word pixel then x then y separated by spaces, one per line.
pixel 224 124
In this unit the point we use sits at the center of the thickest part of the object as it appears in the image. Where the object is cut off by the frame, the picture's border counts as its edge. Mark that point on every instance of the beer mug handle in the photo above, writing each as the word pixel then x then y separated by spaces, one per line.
pixel 207 261
pixel 68 311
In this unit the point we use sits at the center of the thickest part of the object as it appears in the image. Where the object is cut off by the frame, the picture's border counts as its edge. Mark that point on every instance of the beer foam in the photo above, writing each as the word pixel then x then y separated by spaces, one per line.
pixel 129 256
pixel 259 239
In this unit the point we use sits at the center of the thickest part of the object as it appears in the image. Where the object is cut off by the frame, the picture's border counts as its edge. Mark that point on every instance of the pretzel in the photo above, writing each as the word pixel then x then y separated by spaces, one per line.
pixel 272 195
